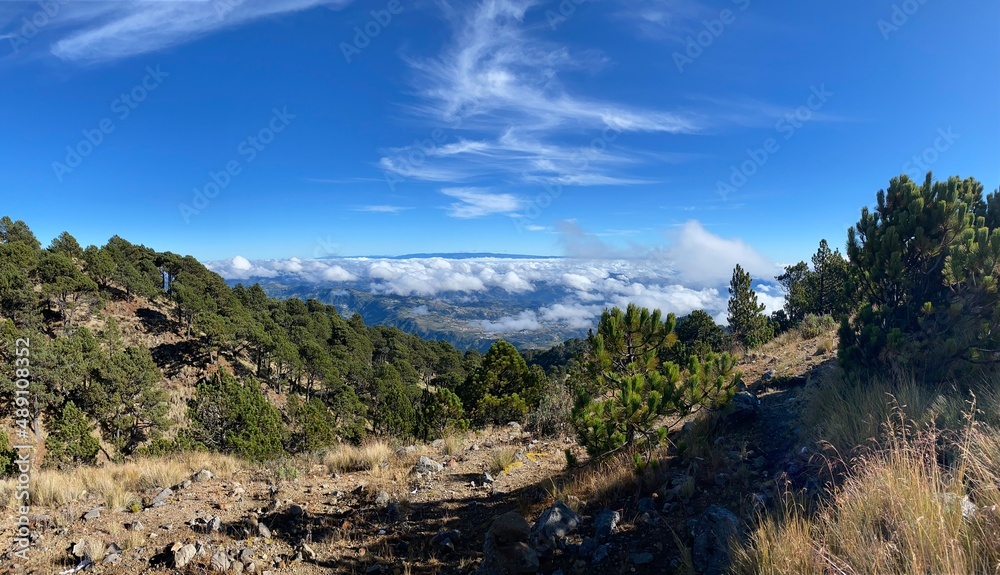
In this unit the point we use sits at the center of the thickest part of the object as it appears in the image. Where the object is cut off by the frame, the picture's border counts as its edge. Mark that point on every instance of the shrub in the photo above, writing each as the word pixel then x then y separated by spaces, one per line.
pixel 313 425
pixel 69 440
pixel 502 388
pixel 554 412
pixel 625 393
pixel 439 413
pixel 235 417
pixel 816 325
pixel 925 259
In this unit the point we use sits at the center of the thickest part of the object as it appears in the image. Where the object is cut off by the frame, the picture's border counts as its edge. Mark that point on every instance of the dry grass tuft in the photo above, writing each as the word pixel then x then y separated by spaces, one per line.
pixel 502 460
pixel 453 444
pixel 371 456
pixel 900 511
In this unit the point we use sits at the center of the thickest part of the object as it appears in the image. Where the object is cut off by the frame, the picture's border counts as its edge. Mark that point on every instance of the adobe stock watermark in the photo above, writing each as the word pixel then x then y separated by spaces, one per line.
pixel 563 12
pixel 24 447
pixel 578 162
pixel 921 163
pixel 788 126
pixel 248 149
pixel 711 31
pixel 363 35
pixel 122 107
pixel 31 25
pixel 901 14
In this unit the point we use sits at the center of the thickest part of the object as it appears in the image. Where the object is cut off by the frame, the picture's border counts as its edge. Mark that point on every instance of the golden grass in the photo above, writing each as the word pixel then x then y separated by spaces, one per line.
pixel 370 456
pixel 453 444
pixel 8 492
pixel 502 460
pixel 899 511
pixel 118 485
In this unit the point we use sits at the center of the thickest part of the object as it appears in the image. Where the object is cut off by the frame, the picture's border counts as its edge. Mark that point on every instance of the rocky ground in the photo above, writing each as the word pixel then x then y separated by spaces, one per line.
pixel 427 512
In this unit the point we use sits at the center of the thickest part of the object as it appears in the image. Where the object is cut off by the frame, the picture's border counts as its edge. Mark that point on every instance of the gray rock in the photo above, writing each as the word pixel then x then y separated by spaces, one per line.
pixel 220 562
pixel 742 407
pixel 406 450
pixel 713 532
pixel 136 526
pixel 183 555
pixel 487 478
pixel 246 556
pixel 437 443
pixel 642 558
pixel 446 540
pixel 263 531
pixel 554 524
pixel 382 499
pixel 203 475
pixel 964 503
pixel 601 555
pixel 237 567
pixel 92 514
pixel 162 498
pixel 507 550
pixel 215 523
pixel 427 465
pixel 606 523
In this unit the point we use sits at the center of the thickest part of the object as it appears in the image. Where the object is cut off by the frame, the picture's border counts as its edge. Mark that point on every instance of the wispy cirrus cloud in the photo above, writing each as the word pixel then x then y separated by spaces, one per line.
pixel 478 202
pixel 383 209
pixel 497 82
pixel 90 32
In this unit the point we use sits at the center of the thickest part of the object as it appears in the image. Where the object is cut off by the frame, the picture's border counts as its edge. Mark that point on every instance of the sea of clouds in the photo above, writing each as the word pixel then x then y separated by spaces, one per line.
pixel 580 288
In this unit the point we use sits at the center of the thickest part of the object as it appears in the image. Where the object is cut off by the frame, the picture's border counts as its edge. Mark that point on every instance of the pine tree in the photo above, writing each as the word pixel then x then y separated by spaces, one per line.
pixel 747 322
pixel 624 392
pixel 926 263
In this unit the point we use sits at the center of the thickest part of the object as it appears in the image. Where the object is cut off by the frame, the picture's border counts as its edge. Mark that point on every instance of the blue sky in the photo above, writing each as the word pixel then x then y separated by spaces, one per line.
pixel 612 127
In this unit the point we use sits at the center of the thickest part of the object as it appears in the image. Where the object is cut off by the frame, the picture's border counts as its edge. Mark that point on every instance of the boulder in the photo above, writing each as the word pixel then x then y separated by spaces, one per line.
pixel 507 550
pixel 221 562
pixel 427 465
pixel 554 524
pixel 183 555
pixel 202 476
pixel 742 407
pixel 161 498
pixel 713 533
pixel 606 523
pixel 446 540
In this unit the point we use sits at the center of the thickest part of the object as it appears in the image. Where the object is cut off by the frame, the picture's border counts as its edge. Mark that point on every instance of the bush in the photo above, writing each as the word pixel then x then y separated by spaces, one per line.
pixel 439 413
pixel 625 393
pixel 313 425
pixel 816 325
pixel 235 417
pixel 554 412
pixel 69 440
pixel 926 261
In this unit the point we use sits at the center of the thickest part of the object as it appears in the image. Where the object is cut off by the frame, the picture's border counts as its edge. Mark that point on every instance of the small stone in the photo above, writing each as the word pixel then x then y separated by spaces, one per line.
pixel 237 567
pixel 161 498
pixel 427 465
pixel 215 523
pixel 487 478
pixel 446 540
pixel 555 523
pixel 202 476
pixel 263 531
pixel 220 562
pixel 92 514
pixel 136 526
pixel 600 555
pixel 183 555
pixel 382 499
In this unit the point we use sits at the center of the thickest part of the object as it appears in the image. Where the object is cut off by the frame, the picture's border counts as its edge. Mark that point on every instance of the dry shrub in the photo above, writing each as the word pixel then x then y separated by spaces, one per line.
pixel 453 444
